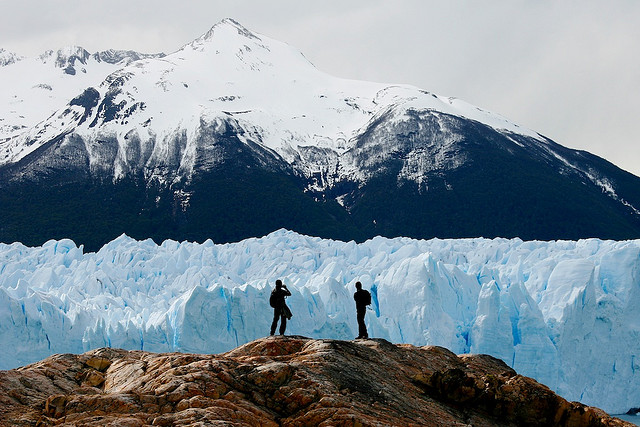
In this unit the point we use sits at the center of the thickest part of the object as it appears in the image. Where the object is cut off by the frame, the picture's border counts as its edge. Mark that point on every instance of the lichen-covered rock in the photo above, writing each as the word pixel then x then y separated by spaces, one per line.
pixel 287 381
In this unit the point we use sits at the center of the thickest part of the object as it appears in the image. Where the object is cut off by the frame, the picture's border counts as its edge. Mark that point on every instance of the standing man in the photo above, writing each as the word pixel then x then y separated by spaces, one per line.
pixel 280 309
pixel 363 299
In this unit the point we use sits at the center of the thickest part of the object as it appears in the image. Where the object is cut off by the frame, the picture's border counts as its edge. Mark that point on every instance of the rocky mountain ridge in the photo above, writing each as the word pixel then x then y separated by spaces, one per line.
pixel 285 381
pixel 8 58
pixel 33 89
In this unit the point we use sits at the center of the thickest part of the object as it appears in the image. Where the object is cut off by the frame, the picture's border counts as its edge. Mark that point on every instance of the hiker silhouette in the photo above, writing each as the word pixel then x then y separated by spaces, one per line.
pixel 280 309
pixel 363 299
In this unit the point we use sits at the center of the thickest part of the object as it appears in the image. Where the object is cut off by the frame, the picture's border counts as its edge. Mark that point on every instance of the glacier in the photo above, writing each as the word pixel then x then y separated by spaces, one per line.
pixel 566 313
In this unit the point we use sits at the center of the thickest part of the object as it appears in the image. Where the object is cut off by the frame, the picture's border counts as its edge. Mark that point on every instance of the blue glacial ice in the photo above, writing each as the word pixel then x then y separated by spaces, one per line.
pixel 566 313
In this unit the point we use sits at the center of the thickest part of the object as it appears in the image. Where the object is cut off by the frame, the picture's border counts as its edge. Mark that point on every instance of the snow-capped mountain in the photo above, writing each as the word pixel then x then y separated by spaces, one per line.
pixel 238 109
pixel 266 90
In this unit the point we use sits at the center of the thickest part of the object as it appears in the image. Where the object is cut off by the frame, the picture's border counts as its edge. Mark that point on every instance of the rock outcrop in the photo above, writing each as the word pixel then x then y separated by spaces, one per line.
pixel 288 381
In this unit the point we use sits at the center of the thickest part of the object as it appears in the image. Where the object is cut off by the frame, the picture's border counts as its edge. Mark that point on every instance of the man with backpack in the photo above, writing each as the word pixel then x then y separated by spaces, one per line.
pixel 280 309
pixel 363 299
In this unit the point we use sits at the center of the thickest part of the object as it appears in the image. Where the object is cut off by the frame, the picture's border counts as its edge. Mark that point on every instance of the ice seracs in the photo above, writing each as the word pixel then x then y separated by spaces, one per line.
pixel 562 312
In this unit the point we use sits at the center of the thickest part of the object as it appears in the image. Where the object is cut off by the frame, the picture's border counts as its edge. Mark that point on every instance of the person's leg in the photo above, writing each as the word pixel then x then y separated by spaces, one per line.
pixel 274 324
pixel 283 324
pixel 362 327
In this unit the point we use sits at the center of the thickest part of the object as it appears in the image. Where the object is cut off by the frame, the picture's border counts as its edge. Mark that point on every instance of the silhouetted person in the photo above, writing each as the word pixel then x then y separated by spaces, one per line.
pixel 363 299
pixel 280 309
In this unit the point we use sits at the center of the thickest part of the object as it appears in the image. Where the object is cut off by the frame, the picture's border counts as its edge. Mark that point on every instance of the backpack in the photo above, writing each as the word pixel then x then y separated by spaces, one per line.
pixel 363 297
pixel 273 301
pixel 367 298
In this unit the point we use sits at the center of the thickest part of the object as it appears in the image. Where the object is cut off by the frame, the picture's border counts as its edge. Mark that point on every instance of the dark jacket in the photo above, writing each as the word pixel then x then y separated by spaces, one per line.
pixel 279 296
pixel 362 298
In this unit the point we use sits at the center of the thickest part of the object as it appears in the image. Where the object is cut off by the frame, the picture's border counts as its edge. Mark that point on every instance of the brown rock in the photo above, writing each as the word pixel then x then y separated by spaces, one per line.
pixel 288 381
pixel 92 378
pixel 99 363
pixel 55 405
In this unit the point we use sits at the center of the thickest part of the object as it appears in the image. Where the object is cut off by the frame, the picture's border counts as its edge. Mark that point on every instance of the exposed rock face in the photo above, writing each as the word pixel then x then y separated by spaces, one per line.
pixel 284 381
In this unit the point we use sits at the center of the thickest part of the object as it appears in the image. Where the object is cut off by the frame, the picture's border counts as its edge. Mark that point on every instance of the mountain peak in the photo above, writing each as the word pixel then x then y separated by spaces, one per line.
pixel 227 28
pixel 235 48
pixel 66 58
pixel 230 24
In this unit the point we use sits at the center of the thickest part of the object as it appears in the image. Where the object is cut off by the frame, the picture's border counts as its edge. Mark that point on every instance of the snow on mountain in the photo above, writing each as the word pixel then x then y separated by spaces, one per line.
pixel 161 117
pixel 32 89
pixel 563 312
pixel 265 89
pixel 7 58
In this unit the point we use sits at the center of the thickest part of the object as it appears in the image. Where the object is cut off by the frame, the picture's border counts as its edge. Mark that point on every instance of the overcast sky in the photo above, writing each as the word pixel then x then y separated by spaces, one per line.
pixel 569 69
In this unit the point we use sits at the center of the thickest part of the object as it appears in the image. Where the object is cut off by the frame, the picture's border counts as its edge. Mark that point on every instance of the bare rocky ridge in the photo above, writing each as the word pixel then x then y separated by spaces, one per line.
pixel 284 381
